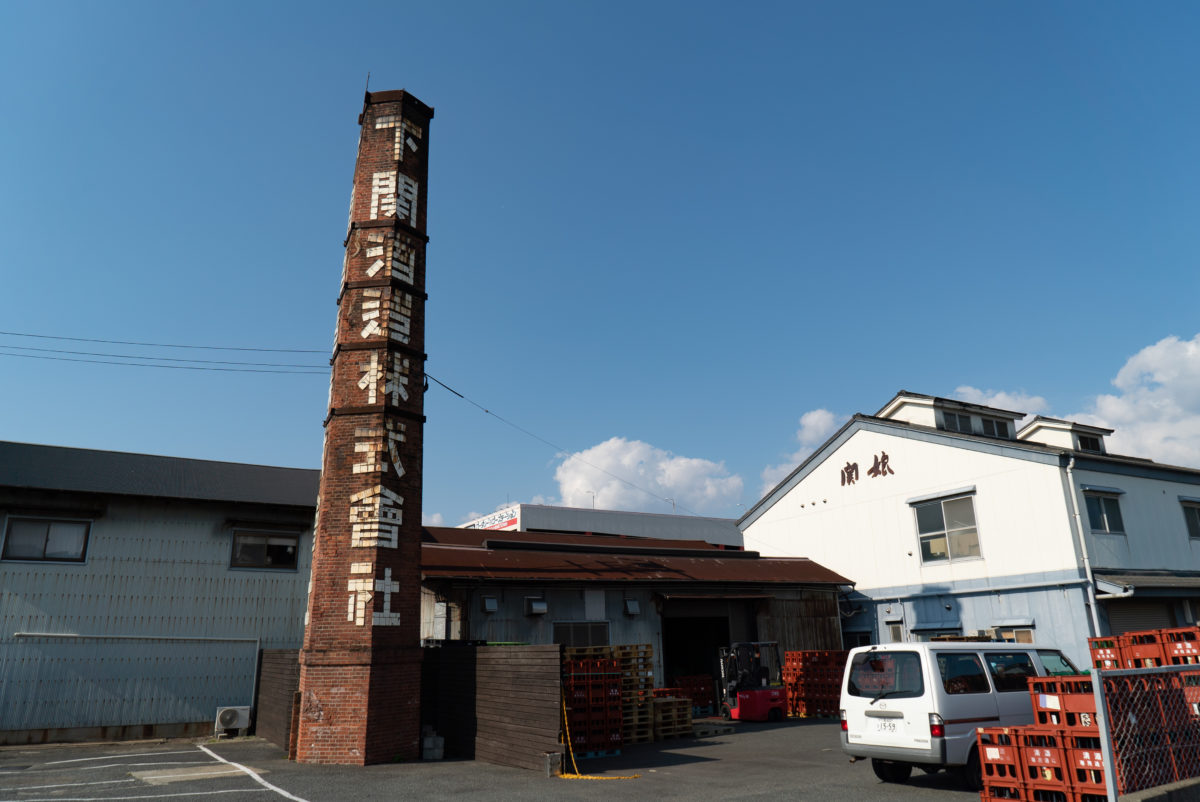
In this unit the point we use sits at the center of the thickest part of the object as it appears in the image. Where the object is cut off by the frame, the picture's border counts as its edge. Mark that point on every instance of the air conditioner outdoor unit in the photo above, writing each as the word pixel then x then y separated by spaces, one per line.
pixel 232 718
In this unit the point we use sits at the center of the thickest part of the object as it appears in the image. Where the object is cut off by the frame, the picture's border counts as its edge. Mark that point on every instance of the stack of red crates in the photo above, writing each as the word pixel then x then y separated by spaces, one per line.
pixel 593 697
pixel 1146 649
pixel 1057 758
pixel 813 680
pixel 701 690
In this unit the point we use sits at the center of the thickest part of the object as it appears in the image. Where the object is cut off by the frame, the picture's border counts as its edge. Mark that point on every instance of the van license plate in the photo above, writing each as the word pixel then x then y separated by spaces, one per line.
pixel 886 726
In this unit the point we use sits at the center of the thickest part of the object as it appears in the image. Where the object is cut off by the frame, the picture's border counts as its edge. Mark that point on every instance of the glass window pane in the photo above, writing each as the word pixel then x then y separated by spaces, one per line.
pixel 1095 514
pixel 1009 670
pixel 933 548
pixel 962 673
pixel 249 550
pixel 66 540
pixel 1192 516
pixel 964 543
pixel 896 674
pixel 960 513
pixel 1112 513
pixel 989 427
pixel 1001 428
pixel 26 540
pixel 929 518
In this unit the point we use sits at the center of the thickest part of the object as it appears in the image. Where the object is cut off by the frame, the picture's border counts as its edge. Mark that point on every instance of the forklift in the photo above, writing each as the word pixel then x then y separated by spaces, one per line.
pixel 751 682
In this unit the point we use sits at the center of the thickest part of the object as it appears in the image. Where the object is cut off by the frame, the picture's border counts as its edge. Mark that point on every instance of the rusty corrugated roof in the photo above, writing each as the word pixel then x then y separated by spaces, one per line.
pixel 464 562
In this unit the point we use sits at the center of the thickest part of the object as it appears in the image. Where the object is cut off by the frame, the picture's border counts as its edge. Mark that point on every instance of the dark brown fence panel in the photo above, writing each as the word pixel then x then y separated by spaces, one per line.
pixel 518 704
pixel 278 681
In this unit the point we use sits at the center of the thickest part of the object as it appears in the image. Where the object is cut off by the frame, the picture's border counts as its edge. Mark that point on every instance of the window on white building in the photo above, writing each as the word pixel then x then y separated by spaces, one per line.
pixel 957 423
pixel 1088 443
pixel 1191 514
pixel 45 539
pixel 996 428
pixel 946 528
pixel 1104 514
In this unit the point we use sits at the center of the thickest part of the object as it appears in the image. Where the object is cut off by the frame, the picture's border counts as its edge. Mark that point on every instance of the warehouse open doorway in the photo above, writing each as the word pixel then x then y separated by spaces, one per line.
pixel 694 630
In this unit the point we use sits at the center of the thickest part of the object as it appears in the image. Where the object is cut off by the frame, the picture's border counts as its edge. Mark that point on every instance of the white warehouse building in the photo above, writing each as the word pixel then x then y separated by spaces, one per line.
pixel 950 521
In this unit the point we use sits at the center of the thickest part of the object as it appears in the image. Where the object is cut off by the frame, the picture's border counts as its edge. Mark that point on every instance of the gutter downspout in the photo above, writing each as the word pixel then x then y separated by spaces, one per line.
pixel 1077 525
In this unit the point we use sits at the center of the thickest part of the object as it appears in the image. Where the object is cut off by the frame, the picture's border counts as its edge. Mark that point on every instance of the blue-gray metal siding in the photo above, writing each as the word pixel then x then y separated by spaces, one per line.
pixel 154 569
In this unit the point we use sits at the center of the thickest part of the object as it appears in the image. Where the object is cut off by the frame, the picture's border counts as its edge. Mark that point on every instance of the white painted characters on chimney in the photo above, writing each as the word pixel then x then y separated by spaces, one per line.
pixel 404 260
pixel 375 517
pixel 397 380
pixel 407 134
pixel 371 303
pixel 395 436
pixel 368 441
pixel 400 317
pixel 375 250
pixel 406 200
pixel 360 593
pixel 383 194
pixel 371 374
pixel 387 586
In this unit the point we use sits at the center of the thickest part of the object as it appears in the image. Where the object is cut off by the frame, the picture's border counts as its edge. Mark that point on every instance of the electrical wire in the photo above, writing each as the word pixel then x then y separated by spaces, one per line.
pixel 171 367
pixel 266 367
pixel 562 450
pixel 163 345
pixel 163 358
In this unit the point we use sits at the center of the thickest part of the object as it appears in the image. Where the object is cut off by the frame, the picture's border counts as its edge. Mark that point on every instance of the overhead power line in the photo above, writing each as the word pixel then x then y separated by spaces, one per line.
pixel 262 367
pixel 165 345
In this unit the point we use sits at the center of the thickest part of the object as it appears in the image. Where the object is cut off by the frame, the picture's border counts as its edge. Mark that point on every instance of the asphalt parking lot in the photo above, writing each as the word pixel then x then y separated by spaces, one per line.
pixel 795 760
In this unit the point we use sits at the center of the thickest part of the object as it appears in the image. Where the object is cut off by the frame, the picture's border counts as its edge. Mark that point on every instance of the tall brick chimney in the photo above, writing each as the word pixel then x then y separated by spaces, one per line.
pixel 360 668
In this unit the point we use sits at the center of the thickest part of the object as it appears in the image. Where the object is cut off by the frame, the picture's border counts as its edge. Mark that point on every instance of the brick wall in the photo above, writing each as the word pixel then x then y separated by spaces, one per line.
pixel 360 665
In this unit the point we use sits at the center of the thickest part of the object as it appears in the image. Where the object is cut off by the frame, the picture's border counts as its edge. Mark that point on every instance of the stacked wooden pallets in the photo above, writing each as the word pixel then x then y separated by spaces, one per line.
pixel 636 664
pixel 672 717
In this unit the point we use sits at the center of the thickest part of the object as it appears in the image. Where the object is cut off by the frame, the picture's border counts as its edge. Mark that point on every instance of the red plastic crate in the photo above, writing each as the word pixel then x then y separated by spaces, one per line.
pixel 1180 646
pixel 1048 792
pixel 1000 754
pixel 1087 769
pixel 1106 652
pixel 1142 649
pixel 1043 756
pixel 1002 790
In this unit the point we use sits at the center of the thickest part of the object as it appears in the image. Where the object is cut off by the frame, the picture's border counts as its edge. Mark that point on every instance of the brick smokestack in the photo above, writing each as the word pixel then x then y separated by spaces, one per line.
pixel 360 668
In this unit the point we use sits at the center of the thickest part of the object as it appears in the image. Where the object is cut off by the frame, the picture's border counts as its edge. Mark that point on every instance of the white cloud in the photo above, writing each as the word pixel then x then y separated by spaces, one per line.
pixel 1156 414
pixel 1014 402
pixel 698 485
pixel 816 426
pixel 432 519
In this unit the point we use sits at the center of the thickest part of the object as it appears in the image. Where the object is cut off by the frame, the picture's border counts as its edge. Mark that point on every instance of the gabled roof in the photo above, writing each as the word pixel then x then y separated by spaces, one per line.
pixel 950 403
pixel 541 557
pixel 82 470
pixel 1023 449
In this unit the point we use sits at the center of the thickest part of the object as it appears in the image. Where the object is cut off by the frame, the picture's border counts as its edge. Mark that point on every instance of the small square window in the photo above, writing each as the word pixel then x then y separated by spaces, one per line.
pixel 957 423
pixel 946 529
pixel 1087 443
pixel 995 428
pixel 45 539
pixel 274 550
pixel 1104 514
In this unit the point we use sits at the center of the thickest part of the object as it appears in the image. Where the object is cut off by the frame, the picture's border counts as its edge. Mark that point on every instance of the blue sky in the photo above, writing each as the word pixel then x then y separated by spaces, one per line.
pixel 679 242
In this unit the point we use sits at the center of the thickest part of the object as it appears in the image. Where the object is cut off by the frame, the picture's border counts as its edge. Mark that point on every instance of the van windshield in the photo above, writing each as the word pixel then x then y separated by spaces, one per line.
pixel 1056 663
pixel 891 675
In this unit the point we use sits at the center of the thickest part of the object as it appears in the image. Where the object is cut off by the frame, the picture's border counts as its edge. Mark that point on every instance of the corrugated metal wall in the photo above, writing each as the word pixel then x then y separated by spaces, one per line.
pixel 153 568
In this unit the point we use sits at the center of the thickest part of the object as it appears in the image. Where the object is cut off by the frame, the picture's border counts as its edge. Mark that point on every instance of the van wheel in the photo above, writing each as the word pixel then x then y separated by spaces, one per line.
pixel 891 772
pixel 971 775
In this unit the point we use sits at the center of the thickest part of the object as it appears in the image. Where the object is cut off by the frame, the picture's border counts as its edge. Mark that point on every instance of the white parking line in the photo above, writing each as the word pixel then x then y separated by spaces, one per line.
pixel 142 796
pixel 66 785
pixel 110 757
pixel 254 776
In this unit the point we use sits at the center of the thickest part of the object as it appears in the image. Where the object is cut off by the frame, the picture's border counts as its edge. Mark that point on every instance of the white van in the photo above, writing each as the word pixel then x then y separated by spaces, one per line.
pixel 919 704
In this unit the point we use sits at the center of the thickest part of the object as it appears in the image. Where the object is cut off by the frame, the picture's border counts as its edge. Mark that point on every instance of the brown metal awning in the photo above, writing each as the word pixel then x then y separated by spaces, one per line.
pixel 716 595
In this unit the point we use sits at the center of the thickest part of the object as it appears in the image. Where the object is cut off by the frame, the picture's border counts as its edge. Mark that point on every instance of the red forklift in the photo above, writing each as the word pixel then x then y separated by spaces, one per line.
pixel 752 683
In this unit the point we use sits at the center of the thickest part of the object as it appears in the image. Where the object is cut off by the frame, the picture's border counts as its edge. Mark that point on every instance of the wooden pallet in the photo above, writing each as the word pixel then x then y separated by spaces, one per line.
pixel 588 652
